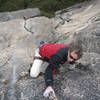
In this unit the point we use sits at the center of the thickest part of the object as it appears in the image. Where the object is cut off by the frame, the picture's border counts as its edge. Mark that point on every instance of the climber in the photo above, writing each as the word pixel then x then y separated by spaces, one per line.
pixel 54 54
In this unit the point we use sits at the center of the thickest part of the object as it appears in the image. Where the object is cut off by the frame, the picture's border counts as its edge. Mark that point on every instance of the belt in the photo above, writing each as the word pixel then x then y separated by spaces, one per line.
pixel 36 57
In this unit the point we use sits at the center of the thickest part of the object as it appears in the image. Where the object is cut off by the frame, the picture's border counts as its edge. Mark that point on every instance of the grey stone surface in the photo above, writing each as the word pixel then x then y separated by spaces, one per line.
pixel 27 13
pixel 19 38
pixel 41 28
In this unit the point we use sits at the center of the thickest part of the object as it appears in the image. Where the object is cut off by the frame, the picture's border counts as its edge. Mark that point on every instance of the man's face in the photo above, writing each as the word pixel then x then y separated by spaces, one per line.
pixel 74 55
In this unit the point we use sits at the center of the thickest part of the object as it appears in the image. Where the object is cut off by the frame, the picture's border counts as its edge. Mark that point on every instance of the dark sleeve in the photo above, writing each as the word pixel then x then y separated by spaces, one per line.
pixel 53 64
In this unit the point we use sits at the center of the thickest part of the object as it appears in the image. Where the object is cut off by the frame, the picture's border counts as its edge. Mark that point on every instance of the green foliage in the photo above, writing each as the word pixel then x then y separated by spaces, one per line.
pixel 12 5
pixel 47 6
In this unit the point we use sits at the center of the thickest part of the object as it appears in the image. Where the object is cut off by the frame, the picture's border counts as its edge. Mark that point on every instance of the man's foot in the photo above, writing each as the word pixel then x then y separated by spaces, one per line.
pixel 52 96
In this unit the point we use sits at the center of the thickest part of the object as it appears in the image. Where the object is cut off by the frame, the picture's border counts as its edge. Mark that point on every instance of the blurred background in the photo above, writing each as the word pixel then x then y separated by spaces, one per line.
pixel 46 6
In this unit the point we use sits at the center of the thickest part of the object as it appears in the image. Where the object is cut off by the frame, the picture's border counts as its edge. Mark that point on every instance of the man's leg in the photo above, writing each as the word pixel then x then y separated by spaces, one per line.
pixel 36 67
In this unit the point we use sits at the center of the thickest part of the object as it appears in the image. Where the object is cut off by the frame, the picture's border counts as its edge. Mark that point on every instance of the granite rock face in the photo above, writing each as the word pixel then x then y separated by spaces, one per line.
pixel 28 13
pixel 20 37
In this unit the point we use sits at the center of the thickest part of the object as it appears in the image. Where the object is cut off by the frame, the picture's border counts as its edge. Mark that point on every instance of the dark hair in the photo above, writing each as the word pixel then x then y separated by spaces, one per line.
pixel 77 47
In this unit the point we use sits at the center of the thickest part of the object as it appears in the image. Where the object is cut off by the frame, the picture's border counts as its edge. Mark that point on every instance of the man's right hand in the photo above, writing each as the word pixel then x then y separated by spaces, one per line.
pixel 47 92
pixel 81 66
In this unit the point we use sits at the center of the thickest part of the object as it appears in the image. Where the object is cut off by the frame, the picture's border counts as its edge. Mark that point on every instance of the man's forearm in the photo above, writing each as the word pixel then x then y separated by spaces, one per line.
pixel 48 76
pixel 54 64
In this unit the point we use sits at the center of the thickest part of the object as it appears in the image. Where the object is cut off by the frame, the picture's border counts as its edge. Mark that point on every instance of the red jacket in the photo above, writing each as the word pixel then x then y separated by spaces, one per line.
pixel 47 50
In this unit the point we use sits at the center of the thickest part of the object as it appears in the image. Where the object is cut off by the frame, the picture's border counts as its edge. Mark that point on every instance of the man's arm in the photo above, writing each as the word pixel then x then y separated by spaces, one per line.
pixel 53 64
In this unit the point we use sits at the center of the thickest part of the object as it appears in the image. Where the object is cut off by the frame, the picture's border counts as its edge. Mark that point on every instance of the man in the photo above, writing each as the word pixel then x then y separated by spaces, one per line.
pixel 54 54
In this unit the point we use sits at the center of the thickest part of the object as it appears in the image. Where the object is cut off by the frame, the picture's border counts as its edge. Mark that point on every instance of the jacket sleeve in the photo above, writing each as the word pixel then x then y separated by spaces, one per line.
pixel 53 64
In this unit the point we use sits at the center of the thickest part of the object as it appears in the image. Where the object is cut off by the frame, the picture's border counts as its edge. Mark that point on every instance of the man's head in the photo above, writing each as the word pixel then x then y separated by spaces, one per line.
pixel 75 51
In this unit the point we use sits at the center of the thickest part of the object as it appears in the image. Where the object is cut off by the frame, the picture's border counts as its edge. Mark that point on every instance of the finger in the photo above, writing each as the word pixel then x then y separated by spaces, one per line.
pixel 46 95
